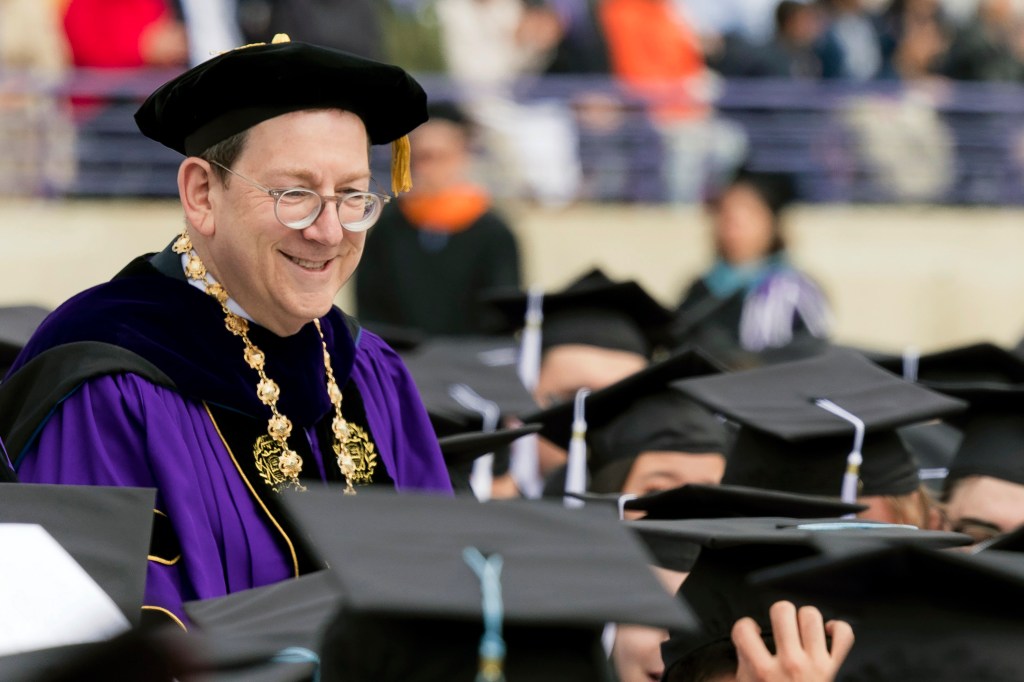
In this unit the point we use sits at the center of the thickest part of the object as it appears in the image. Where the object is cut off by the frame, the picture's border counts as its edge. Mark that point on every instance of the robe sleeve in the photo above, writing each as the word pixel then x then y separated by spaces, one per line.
pixel 122 430
pixel 397 418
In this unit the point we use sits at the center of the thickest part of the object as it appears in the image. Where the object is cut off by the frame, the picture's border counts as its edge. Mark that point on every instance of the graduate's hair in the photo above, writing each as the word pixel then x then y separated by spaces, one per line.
pixel 225 153
pixel 916 507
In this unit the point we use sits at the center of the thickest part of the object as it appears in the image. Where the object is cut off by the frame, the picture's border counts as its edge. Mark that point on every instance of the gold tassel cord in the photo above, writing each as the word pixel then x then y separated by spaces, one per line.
pixel 401 172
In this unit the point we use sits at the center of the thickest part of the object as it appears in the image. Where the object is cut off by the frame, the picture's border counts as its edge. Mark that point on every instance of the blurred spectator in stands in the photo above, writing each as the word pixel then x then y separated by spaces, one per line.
pixel 211 27
pixel 581 47
pixel 850 48
pixel 412 35
pixel 914 38
pixel 439 246
pixel 620 152
pixel 35 128
pixel 125 33
pixel 789 54
pixel 753 304
pixel 989 48
pixel 350 25
pixel 657 54
pixel 489 45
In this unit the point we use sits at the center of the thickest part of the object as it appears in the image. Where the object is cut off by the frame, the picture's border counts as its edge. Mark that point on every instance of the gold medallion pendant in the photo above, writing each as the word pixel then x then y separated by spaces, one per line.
pixel 357 458
pixel 277 466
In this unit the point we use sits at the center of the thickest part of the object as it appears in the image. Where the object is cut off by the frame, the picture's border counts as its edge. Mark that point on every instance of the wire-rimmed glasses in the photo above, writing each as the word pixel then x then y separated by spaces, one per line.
pixel 298 208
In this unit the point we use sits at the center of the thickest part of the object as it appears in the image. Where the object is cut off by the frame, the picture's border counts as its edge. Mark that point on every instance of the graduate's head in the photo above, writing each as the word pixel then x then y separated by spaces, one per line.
pixel 441 149
pixel 276 186
pixel 746 216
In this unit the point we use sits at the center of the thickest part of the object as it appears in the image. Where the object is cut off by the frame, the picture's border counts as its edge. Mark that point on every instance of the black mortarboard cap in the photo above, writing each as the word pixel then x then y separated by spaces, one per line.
pixel 17 324
pixel 665 421
pixel 595 311
pixel 718 588
pixel 411 565
pixel 134 655
pixel 991 380
pixel 993 435
pixel 241 88
pixel 788 442
pixel 604 405
pixel 451 373
pixel 463 448
pixel 408 586
pixel 933 446
pixel 918 614
pixel 248 634
pixel 105 529
pixel 698 501
pixel 977 363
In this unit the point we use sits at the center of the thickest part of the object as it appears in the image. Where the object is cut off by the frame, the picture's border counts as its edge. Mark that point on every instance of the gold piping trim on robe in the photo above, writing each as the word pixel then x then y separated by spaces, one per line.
pixel 291 547
pixel 161 560
pixel 166 613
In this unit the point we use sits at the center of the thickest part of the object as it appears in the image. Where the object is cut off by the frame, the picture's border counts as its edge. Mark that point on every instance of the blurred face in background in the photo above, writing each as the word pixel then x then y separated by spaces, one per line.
pixel 567 368
pixel 656 471
pixel 983 507
pixel 440 156
pixel 743 224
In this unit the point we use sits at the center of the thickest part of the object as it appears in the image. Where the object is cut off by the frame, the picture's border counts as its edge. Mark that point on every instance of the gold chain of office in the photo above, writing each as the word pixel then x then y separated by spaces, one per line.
pixel 278 464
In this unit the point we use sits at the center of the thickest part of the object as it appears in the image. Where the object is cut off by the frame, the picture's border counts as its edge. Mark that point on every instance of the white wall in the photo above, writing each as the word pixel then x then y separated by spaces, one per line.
pixel 930 277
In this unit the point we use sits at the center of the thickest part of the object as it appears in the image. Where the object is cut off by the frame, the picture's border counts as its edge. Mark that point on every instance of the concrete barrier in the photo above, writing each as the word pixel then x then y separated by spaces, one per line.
pixel 924 276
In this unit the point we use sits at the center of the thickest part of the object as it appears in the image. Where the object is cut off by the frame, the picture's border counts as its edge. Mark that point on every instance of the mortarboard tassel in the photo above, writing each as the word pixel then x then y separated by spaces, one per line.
pixel 401 165
pixel 298 654
pixel 524 462
pixel 524 465
pixel 530 347
pixel 576 466
pixel 851 477
pixel 911 360
pixel 492 643
pixel 481 478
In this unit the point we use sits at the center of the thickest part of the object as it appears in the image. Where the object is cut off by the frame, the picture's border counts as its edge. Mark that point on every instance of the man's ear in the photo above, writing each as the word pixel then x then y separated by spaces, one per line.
pixel 194 187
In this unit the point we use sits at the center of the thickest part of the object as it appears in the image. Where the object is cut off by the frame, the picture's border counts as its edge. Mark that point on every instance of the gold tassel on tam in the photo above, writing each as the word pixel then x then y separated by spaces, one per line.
pixel 401 174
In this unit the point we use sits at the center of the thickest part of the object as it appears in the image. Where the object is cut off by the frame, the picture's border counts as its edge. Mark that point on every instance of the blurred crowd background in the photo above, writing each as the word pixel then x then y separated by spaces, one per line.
pixel 582 115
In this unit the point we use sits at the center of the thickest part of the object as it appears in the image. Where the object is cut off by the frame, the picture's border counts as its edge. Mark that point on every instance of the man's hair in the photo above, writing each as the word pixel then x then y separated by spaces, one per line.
pixel 225 153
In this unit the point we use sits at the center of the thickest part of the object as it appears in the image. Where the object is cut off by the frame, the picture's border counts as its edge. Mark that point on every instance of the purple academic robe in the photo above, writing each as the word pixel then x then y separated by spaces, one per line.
pixel 120 428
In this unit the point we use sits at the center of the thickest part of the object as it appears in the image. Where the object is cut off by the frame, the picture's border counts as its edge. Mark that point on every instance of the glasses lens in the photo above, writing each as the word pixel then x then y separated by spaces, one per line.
pixel 359 211
pixel 298 208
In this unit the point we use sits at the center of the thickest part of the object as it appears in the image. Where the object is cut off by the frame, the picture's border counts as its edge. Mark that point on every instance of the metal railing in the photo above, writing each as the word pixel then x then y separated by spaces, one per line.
pixel 560 139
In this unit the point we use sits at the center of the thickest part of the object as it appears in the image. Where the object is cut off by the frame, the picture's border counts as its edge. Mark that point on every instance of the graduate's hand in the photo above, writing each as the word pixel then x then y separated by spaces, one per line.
pixel 802 652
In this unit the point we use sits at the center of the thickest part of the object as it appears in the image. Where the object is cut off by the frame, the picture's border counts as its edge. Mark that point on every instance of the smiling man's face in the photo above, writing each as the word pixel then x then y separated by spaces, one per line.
pixel 285 278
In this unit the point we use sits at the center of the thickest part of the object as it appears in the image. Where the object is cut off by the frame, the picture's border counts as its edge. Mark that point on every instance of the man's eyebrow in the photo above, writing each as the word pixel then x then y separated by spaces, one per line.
pixel 982 523
pixel 307 176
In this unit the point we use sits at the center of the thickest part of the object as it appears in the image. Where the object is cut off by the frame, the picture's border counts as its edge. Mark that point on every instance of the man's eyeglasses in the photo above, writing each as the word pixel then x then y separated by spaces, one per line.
pixel 298 208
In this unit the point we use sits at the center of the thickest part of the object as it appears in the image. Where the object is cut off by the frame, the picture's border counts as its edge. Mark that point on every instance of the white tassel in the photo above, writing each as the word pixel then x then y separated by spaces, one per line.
pixel 576 467
pixel 481 478
pixel 524 465
pixel 848 492
pixel 529 349
pixel 911 360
